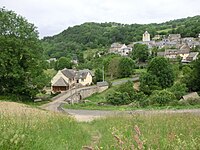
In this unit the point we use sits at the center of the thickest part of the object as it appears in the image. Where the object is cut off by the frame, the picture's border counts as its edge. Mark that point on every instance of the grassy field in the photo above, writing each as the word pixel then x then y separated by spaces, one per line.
pixel 166 132
pixel 24 127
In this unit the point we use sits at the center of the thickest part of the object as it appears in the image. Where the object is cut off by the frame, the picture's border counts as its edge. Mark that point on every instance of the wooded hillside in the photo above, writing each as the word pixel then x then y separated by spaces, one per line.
pixel 101 35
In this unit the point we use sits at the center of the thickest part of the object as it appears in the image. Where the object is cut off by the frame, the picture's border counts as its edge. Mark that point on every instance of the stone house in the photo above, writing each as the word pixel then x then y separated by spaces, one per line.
pixel 120 49
pixel 84 77
pixel 192 56
pixel 174 37
pixel 68 78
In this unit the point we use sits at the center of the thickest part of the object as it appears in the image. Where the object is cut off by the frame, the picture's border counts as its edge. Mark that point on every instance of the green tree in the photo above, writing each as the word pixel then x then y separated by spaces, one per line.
pixel 140 52
pixel 126 67
pixel 20 51
pixel 161 68
pixel 63 62
pixel 98 75
pixel 113 67
pixel 192 80
pixel 148 83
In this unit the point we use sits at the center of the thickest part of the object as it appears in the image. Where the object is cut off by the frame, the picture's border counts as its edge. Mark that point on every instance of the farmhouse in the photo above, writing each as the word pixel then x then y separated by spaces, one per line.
pixel 120 49
pixel 68 78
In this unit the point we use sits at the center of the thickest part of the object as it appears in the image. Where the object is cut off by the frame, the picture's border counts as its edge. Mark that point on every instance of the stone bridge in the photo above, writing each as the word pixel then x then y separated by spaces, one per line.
pixel 82 93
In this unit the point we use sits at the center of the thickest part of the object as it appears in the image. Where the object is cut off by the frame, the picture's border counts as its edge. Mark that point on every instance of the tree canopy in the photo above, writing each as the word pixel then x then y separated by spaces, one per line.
pixel 21 55
pixel 62 63
pixel 126 67
pixel 161 68
pixel 140 52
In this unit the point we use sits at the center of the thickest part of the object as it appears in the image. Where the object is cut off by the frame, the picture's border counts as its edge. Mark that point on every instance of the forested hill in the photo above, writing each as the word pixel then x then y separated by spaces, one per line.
pixel 101 35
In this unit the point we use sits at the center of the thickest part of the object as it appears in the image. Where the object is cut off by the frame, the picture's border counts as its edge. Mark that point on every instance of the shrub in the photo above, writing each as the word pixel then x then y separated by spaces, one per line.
pixel 141 98
pixel 178 89
pixel 123 95
pixel 118 98
pixel 161 98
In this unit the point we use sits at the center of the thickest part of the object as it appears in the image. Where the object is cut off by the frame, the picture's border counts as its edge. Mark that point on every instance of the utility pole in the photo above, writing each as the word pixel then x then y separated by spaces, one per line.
pixel 103 73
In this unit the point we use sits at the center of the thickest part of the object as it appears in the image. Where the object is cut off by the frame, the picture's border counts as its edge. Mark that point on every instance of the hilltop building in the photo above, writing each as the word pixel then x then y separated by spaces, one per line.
pixel 146 37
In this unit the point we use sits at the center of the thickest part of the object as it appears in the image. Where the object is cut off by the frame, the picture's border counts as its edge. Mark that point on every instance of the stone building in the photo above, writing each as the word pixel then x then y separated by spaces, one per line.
pixel 146 37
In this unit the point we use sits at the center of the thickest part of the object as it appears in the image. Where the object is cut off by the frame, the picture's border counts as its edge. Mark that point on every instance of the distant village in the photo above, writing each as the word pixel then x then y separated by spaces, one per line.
pixel 174 46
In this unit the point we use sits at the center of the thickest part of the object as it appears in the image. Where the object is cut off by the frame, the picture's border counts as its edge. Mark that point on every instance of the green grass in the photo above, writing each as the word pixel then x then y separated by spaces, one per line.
pixel 140 71
pixel 171 131
pixel 15 98
pixel 23 127
pixel 27 128
pixel 94 106
pixel 165 30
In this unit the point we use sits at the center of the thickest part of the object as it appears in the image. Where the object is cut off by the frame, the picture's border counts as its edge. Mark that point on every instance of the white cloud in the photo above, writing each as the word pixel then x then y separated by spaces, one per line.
pixel 52 17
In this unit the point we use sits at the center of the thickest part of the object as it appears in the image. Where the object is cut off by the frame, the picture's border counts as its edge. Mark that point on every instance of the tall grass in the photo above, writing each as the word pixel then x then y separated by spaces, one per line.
pixel 26 128
pixel 164 131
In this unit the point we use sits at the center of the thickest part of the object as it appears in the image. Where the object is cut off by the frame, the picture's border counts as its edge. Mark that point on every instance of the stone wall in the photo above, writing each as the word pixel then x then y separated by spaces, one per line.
pixel 82 93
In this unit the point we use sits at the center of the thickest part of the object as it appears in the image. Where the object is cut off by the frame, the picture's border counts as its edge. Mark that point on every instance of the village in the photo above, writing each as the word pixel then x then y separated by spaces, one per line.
pixel 172 47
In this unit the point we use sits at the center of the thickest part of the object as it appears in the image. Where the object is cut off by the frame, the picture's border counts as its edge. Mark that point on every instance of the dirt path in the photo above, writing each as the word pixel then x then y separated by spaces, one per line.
pixel 89 115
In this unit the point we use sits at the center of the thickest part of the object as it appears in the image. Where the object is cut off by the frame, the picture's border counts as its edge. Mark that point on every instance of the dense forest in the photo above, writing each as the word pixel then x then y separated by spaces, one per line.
pixel 74 40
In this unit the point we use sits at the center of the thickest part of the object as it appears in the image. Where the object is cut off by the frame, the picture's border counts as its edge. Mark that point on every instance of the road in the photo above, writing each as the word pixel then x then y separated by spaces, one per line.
pixel 89 115
pixel 118 82
pixel 59 100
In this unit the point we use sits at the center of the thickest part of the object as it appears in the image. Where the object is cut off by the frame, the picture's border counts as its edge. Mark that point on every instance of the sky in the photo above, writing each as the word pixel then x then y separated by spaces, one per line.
pixel 53 16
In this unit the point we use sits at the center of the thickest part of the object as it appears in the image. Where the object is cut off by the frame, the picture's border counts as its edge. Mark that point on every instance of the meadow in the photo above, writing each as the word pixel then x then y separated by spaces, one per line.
pixel 24 127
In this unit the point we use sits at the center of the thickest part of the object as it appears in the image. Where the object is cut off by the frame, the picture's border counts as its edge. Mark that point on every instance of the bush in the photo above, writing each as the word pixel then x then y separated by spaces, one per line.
pixel 162 98
pixel 178 89
pixel 123 95
pixel 118 98
pixel 141 98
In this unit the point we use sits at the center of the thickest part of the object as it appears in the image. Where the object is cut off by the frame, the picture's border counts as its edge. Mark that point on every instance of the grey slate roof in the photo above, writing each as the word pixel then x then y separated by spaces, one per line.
pixel 60 82
pixel 82 74
pixel 69 73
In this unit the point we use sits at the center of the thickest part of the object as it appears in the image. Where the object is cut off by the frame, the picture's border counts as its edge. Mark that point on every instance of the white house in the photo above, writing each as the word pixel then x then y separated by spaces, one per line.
pixel 67 78
pixel 120 49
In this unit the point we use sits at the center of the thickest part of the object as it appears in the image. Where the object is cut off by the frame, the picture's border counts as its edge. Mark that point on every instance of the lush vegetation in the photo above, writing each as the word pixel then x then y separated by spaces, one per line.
pixel 162 84
pixel 24 127
pixel 158 131
pixel 74 40
pixel 21 62
pixel 28 128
